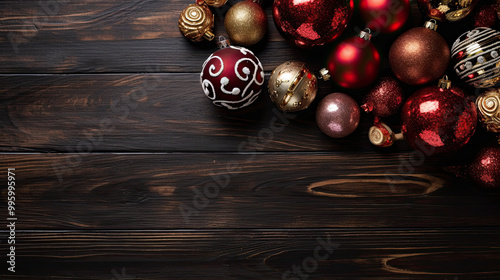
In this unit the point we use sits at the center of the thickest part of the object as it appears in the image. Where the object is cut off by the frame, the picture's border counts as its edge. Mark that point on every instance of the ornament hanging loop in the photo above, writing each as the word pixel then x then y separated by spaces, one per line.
pixel 324 74
pixel 444 83
pixel 365 34
pixel 223 42
pixel 431 24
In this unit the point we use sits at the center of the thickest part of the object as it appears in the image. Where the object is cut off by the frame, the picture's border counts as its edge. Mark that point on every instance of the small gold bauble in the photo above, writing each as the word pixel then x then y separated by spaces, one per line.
pixel 292 86
pixel 215 3
pixel 245 23
pixel 488 107
pixel 197 22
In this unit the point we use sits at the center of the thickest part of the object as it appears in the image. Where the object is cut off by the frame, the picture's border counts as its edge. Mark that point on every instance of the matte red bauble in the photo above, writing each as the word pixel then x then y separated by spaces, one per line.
pixel 438 119
pixel 337 115
pixel 232 77
pixel 384 16
pixel 355 62
pixel 420 55
pixel 312 23
pixel 485 168
pixel 384 99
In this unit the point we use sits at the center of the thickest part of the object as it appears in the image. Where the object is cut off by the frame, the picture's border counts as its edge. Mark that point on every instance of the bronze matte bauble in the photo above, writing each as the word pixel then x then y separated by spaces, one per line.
pixel 418 56
pixel 246 23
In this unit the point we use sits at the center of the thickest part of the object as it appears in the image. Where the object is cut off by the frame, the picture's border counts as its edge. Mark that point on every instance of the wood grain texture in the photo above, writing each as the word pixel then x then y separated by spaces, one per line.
pixel 125 171
pixel 261 254
pixel 97 36
pixel 196 191
pixel 150 112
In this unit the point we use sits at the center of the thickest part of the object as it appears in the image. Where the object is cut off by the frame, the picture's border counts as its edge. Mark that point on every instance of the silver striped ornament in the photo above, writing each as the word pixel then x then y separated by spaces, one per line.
pixel 476 57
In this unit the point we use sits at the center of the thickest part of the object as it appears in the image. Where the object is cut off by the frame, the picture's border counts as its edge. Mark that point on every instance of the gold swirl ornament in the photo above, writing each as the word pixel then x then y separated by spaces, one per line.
pixel 197 22
pixel 488 105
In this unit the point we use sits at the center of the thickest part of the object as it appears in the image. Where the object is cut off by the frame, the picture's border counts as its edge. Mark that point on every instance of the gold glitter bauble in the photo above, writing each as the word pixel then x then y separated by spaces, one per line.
pixel 292 86
pixel 245 23
pixel 197 22
pixel 488 107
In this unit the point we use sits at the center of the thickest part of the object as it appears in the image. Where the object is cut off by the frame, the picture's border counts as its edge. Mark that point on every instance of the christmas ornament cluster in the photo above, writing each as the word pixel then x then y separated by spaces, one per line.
pixel 436 118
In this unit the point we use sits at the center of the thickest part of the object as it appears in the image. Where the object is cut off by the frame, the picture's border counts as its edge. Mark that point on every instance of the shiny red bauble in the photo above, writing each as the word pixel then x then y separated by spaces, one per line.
pixel 354 63
pixel 485 168
pixel 384 99
pixel 437 120
pixel 312 23
pixel 232 77
pixel 384 16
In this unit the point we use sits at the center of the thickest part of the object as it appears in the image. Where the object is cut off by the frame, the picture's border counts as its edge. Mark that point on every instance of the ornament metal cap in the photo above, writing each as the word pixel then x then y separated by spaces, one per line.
pixel 324 74
pixel 365 34
pixel 381 135
pixel 257 1
pixel 444 83
pixel 223 42
pixel 431 24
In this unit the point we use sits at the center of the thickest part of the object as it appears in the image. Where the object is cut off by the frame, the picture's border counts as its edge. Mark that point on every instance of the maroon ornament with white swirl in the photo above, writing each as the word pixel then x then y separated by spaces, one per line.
pixel 232 77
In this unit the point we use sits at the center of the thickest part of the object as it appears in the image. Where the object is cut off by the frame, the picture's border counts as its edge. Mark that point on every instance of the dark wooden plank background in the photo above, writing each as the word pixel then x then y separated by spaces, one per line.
pixel 126 171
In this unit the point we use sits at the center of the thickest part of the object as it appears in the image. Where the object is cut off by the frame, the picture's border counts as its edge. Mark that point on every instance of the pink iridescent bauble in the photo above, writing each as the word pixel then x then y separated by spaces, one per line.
pixel 485 168
pixel 232 77
pixel 337 115
pixel 437 120
pixel 312 23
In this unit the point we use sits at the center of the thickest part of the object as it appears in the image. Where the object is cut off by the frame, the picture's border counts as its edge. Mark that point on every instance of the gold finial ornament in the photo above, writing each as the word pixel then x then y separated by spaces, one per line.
pixel 292 86
pixel 488 106
pixel 381 135
pixel 197 22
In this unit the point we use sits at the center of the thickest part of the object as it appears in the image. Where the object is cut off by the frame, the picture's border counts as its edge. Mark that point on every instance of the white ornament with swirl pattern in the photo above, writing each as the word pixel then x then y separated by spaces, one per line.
pixel 232 77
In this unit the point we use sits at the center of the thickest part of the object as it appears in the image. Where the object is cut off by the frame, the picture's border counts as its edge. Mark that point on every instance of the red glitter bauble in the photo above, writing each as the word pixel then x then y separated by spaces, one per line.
pixel 384 16
pixel 232 77
pixel 312 23
pixel 384 99
pixel 354 63
pixel 485 168
pixel 485 16
pixel 437 120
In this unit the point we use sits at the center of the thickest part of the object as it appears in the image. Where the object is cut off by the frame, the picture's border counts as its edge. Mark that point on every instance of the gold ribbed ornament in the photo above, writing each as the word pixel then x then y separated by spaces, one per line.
pixel 292 86
pixel 197 22
pixel 488 105
pixel 215 3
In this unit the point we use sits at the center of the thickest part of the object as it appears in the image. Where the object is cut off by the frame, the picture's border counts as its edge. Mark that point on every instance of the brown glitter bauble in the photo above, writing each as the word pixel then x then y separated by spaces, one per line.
pixel 246 23
pixel 419 56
